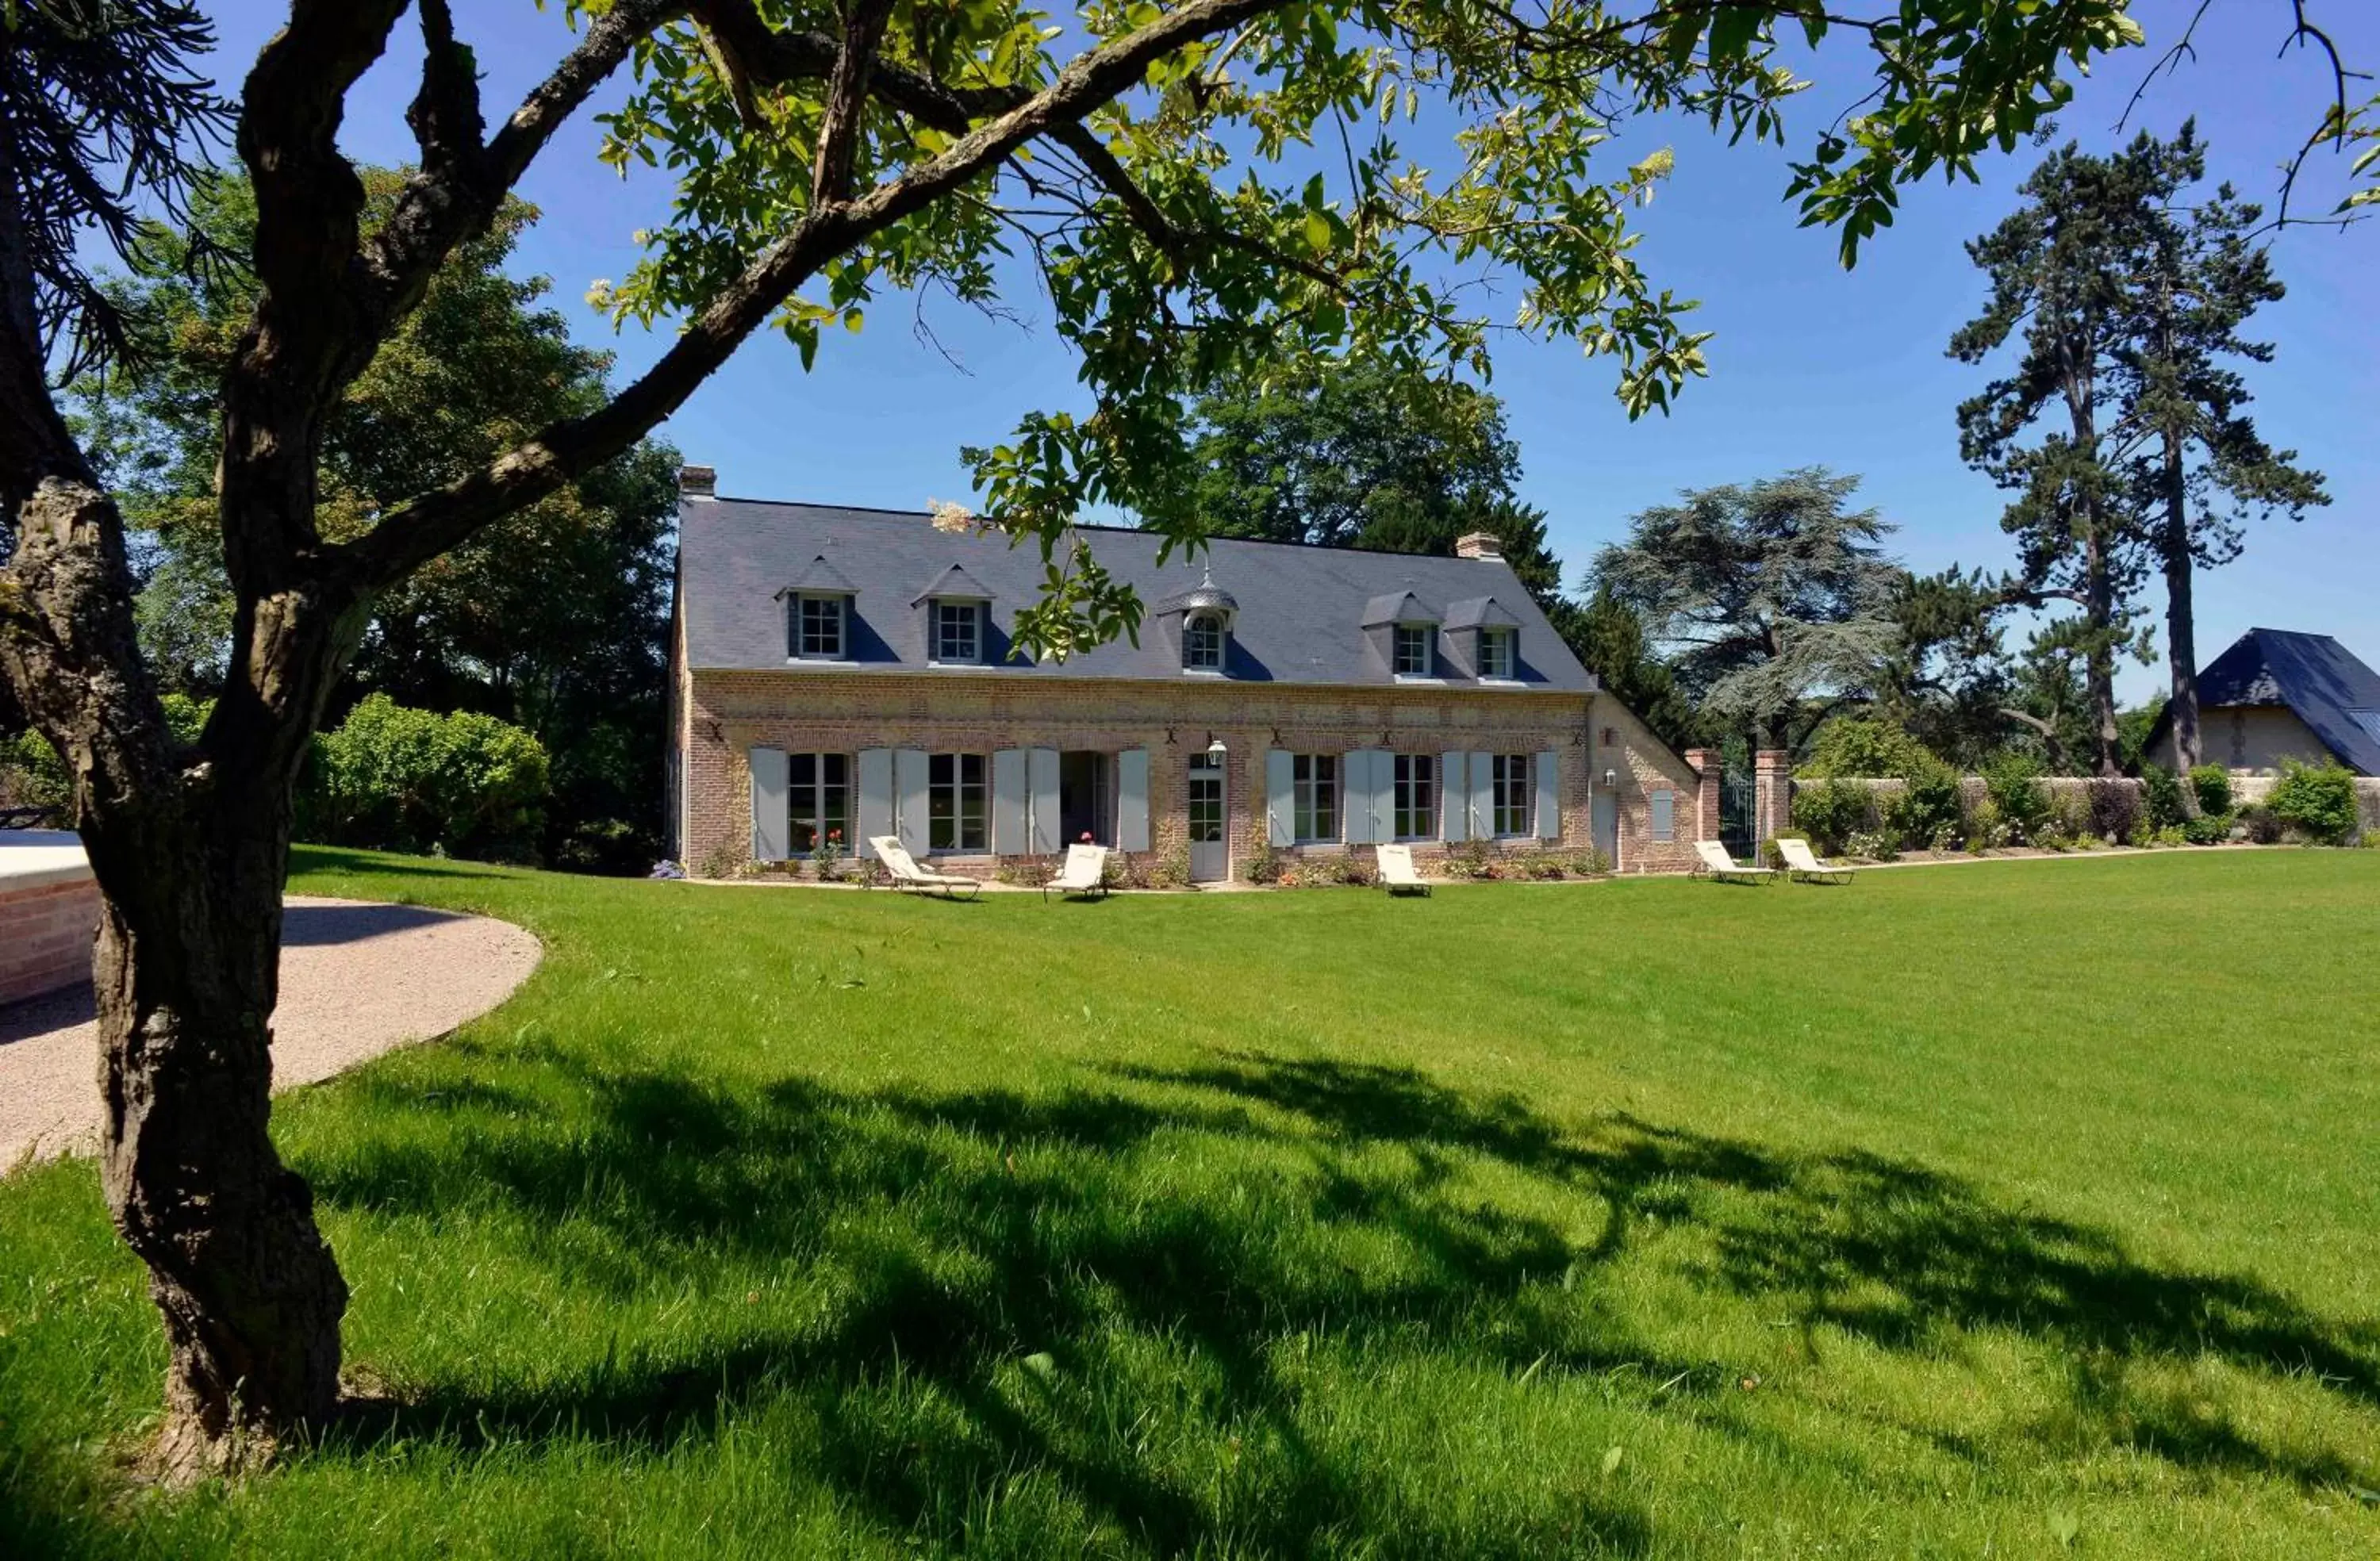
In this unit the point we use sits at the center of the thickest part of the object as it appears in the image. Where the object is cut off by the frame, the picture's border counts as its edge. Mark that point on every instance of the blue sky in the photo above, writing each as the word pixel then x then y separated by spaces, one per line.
pixel 1810 365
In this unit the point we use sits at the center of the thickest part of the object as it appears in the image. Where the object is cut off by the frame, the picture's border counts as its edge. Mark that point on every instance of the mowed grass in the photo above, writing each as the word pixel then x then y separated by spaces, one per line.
pixel 2008 1210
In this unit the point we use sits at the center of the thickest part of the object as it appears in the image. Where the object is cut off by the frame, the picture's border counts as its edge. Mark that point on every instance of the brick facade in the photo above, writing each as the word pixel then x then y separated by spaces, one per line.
pixel 45 935
pixel 718 715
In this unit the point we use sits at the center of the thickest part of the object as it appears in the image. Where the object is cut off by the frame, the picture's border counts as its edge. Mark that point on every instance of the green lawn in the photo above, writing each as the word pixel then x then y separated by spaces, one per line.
pixel 1990 1210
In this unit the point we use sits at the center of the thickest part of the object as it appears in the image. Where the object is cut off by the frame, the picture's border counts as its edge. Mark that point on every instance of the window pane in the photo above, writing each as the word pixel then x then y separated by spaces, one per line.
pixel 1202 642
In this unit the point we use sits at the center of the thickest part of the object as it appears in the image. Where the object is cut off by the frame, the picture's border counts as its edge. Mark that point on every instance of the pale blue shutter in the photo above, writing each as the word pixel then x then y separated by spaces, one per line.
pixel 1280 795
pixel 1665 818
pixel 1009 801
pixel 1380 796
pixel 1548 777
pixel 1356 769
pixel 876 811
pixel 909 771
pixel 772 830
pixel 1483 796
pixel 1132 803
pixel 1042 779
pixel 1454 795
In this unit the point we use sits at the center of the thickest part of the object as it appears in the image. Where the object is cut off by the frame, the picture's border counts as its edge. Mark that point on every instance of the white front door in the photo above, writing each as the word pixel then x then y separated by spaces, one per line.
pixel 1210 853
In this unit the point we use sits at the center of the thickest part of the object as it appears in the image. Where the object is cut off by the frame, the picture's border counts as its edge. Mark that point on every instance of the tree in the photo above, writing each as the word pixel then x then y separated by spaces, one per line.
pixel 1761 596
pixel 1608 639
pixel 2201 469
pixel 1362 456
pixel 572 649
pixel 1158 177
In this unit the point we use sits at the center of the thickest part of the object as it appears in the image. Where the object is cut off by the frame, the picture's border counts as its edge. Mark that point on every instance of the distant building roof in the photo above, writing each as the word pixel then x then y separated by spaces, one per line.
pixel 2337 695
pixel 1300 618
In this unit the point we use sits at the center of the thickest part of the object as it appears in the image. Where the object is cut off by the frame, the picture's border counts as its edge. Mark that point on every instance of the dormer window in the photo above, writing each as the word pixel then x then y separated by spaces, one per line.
pixel 819 627
pixel 1496 653
pixel 1412 647
pixel 1202 642
pixel 958 631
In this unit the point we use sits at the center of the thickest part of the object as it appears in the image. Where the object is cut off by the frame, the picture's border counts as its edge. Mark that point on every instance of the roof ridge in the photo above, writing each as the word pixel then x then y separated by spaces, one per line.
pixel 1119 530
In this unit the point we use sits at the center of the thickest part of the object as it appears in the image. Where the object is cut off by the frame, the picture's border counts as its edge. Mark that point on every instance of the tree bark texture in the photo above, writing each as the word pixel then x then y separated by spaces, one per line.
pixel 2180 633
pixel 189 855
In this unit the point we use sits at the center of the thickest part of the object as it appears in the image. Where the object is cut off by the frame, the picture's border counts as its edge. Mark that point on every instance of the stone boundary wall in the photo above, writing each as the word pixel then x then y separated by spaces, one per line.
pixel 49 912
pixel 2067 794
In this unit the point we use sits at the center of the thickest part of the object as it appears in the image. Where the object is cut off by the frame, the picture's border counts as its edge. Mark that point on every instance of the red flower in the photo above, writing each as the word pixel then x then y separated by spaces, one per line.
pixel 1086 836
pixel 835 834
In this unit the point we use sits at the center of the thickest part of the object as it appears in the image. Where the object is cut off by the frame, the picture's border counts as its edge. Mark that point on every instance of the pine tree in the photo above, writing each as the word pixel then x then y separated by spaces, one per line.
pixel 2203 470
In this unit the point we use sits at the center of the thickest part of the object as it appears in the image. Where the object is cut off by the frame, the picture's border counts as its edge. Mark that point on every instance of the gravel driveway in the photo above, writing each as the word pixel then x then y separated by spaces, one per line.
pixel 358 978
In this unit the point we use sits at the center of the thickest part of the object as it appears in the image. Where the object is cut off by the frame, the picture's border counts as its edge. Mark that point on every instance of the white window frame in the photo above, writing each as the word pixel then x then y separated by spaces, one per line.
pixel 970 613
pixel 1498 654
pixel 948 792
pixel 1315 788
pixel 1202 633
pixel 1414 796
pixel 1513 797
pixel 1420 637
pixel 801 636
pixel 806 803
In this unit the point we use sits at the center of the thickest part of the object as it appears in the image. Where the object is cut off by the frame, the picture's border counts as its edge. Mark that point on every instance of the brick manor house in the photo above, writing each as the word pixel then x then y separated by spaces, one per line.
pixel 849 670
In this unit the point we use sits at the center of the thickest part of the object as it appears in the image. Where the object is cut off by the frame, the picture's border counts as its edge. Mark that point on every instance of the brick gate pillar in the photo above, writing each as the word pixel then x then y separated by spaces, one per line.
pixel 1772 795
pixel 1706 771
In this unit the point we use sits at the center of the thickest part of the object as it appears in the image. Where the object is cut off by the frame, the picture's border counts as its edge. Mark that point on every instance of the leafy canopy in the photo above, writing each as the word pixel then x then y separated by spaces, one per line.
pixel 1275 188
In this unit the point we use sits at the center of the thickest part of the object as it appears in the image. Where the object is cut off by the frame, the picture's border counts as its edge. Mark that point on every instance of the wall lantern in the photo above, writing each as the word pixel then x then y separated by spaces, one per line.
pixel 1611 779
pixel 1215 746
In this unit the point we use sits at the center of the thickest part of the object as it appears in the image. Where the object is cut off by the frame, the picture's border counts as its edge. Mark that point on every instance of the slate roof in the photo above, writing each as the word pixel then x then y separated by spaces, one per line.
pixel 1301 617
pixel 2315 676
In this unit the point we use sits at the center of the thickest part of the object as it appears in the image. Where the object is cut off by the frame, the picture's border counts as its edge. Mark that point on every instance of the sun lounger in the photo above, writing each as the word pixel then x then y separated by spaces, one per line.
pixel 906 874
pixel 1720 866
pixel 1085 872
pixel 1397 874
pixel 1800 863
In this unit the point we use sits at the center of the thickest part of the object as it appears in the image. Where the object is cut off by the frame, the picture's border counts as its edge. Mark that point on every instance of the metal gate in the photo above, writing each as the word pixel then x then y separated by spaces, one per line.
pixel 1737 804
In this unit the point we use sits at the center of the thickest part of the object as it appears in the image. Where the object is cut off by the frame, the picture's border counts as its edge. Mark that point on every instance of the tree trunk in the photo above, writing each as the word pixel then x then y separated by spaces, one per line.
pixel 251 1296
pixel 2180 633
pixel 190 849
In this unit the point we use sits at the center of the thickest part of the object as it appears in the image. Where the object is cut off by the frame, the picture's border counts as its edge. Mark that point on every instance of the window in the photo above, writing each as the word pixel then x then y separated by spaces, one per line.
pixel 1665 815
pixel 1515 801
pixel 1496 653
pixel 817 628
pixel 958 631
pixel 818 799
pixel 1315 810
pixel 954 801
pixel 1412 646
pixel 1611 737
pixel 1416 796
pixel 1202 643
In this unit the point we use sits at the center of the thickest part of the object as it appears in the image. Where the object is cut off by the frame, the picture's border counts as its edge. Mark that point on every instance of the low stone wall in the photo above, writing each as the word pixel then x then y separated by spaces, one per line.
pixel 49 912
pixel 2107 807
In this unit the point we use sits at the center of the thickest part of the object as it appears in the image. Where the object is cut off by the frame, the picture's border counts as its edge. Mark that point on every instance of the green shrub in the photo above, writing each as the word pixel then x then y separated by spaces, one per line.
pixel 2207 828
pixel 2161 797
pixel 32 775
pixel 2212 785
pixel 1864 746
pixel 1872 846
pixel 406 779
pixel 2261 828
pixel 2013 785
pixel 1264 863
pixel 2317 801
pixel 1833 811
pixel 1924 817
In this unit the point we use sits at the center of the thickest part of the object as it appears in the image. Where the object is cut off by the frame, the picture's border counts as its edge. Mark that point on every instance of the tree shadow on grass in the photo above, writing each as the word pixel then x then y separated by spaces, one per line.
pixel 1016 1262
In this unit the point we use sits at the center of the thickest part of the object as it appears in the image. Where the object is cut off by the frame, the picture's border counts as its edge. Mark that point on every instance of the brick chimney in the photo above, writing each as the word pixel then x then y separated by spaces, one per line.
pixel 1478 544
pixel 698 482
